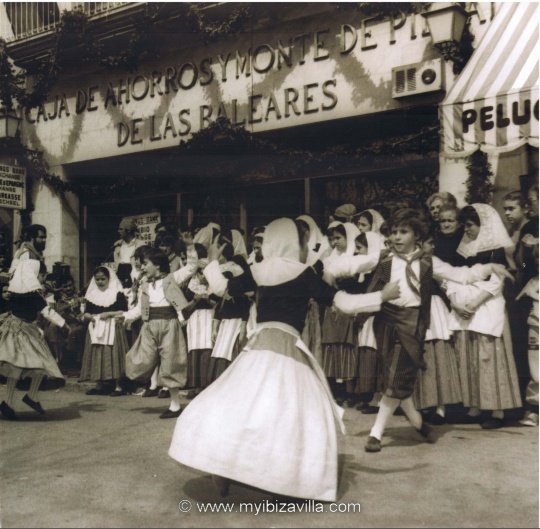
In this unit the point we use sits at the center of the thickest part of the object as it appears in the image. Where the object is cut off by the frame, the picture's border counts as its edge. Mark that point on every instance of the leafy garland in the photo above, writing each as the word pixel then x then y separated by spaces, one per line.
pixel 222 137
pixel 74 30
pixel 479 182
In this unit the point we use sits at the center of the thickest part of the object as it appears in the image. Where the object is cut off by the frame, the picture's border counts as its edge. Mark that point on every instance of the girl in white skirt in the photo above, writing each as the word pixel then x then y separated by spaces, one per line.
pixel 199 329
pixel 23 350
pixel 483 344
pixel 232 311
pixel 269 421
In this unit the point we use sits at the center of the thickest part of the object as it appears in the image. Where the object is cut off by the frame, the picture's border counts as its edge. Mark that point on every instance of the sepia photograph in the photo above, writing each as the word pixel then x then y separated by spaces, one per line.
pixel 269 264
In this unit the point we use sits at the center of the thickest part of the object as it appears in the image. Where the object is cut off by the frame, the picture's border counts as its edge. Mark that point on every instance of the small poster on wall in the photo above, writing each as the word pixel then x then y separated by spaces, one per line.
pixel 146 225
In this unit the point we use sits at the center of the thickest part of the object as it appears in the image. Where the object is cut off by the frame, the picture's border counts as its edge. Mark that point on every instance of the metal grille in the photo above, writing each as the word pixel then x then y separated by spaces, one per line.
pixel 31 18
pixel 400 81
pixel 411 79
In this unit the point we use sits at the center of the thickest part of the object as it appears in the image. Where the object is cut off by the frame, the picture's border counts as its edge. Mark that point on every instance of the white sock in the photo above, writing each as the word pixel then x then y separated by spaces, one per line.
pixel 175 401
pixel 498 414
pixel 412 414
pixel 474 412
pixel 441 410
pixel 387 407
pixel 154 379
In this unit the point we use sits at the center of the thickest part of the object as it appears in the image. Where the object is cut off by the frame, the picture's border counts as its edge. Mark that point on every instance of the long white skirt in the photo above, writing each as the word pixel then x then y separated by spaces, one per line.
pixel 268 422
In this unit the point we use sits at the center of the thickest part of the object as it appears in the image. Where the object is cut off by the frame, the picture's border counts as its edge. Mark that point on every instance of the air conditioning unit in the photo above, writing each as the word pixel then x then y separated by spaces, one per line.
pixel 417 78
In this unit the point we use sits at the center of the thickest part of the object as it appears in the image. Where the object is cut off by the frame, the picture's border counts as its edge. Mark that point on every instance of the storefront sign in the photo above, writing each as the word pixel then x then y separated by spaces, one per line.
pixel 339 65
pixel 12 187
pixel 146 226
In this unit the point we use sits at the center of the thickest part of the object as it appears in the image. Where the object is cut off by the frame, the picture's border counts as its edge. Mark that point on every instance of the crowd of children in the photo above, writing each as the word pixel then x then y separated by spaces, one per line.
pixel 400 314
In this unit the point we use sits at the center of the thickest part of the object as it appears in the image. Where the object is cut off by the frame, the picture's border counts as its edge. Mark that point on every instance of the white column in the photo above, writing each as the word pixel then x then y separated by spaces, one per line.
pixel 59 213
pixel 453 177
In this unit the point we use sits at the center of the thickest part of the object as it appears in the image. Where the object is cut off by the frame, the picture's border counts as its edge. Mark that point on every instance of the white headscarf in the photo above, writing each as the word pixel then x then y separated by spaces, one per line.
pixel 25 277
pixel 108 296
pixel 281 254
pixel 375 246
pixel 316 237
pixel 351 232
pixel 375 242
pixel 205 235
pixel 238 244
pixel 492 234
pixel 378 219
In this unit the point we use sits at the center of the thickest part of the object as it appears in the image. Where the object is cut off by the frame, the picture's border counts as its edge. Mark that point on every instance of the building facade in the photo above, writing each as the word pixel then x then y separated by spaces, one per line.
pixel 333 91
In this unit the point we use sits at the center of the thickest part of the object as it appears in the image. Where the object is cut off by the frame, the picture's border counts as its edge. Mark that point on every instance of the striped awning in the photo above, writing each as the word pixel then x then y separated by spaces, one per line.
pixel 493 106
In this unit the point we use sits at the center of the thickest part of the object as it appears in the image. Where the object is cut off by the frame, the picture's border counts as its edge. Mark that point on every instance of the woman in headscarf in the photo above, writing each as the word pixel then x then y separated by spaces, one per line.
pixel 369 220
pixel 318 247
pixel 339 340
pixel 206 235
pixel 23 350
pixel 231 312
pixel 269 420
pixel 483 345
pixel 106 343
pixel 438 384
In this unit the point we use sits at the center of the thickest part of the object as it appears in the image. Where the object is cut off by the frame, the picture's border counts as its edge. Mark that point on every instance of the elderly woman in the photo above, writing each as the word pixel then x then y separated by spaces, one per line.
pixel 437 200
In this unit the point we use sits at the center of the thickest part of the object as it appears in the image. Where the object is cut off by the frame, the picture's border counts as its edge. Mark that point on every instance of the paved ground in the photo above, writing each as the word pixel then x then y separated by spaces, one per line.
pixel 96 461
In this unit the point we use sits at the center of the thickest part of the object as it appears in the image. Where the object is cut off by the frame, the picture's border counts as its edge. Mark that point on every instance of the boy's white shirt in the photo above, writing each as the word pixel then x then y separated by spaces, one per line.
pixel 156 297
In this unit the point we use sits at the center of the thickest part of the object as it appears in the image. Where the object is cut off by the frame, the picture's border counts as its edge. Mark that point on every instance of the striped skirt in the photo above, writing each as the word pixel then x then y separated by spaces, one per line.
pixel 487 371
pixel 340 360
pixel 439 383
pixel 105 362
pixel 198 365
pixel 369 371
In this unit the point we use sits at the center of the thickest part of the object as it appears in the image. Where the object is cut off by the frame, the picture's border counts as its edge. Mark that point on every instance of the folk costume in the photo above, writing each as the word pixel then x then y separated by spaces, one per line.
pixel 378 219
pixel 199 330
pixel 400 328
pixel 339 339
pixel 269 421
pixel 25 251
pixel 312 333
pixel 483 344
pixel 106 343
pixel 231 312
pixel 23 349
pixel 161 340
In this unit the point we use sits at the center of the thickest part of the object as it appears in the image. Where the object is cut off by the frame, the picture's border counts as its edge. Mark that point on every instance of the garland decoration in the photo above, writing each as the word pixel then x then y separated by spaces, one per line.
pixel 221 137
pixel 75 31
pixel 479 182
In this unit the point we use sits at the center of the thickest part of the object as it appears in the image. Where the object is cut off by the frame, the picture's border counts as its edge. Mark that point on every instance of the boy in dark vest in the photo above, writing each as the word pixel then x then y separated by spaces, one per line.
pixel 400 326
pixel 161 340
